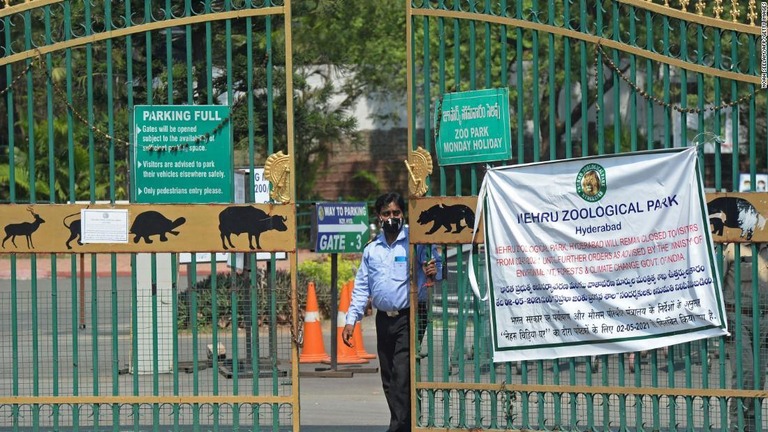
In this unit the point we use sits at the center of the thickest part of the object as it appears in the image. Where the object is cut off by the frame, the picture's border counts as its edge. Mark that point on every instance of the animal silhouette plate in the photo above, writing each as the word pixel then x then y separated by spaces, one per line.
pixel 733 218
pixel 56 228
pixel 443 220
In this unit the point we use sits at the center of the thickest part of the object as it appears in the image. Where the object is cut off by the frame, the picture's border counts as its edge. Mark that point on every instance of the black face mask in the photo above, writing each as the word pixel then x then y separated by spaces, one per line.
pixel 392 225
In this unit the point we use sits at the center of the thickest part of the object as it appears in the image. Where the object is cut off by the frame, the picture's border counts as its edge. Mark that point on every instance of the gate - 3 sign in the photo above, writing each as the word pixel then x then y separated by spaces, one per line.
pixel 182 154
pixel 339 227
pixel 474 127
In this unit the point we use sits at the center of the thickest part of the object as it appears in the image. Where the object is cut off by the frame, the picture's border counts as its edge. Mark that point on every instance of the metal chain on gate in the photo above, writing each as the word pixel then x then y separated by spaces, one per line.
pixel 509 399
pixel 17 78
pixel 95 129
pixel 297 332
pixel 648 96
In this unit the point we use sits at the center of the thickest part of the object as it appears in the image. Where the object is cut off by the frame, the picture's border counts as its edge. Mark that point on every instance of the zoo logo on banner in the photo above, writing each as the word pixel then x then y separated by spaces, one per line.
pixel 591 182
pixel 576 271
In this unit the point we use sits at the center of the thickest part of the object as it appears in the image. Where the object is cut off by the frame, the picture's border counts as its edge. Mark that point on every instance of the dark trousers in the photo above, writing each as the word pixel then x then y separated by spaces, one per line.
pixel 392 343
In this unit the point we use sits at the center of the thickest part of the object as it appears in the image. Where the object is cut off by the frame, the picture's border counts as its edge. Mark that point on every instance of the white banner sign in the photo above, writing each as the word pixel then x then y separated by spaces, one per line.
pixel 599 255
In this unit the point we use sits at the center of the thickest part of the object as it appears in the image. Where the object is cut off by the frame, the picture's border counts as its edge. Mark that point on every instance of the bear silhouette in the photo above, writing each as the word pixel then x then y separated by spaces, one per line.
pixel 447 217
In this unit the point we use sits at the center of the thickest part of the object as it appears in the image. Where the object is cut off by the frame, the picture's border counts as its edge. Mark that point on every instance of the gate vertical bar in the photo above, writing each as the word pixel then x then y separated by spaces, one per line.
pixel 253 318
pixel 536 141
pixel 270 273
pixel 175 335
pixel 616 89
pixel 135 344
pixel 155 341
pixel 68 33
pixel 113 257
pixel 11 123
pixel 759 403
pixel 649 39
pixel 95 337
pixel 633 128
pixel 30 114
pixel 667 140
pixel 445 348
pixel 600 114
pixel 552 116
pixel 31 155
pixel 416 397
pixel 520 111
pixel 292 177
pixel 52 198
pixel 14 344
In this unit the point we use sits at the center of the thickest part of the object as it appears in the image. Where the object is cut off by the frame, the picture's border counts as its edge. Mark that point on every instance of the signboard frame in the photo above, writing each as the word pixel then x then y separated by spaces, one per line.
pixel 333 225
pixel 173 144
pixel 473 127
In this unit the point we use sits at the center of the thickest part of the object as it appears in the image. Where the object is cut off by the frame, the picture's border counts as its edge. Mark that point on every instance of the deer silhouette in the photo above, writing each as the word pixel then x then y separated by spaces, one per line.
pixel 23 229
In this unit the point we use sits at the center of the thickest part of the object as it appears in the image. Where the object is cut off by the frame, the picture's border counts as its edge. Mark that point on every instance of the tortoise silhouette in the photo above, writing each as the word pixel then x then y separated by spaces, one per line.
pixel 150 223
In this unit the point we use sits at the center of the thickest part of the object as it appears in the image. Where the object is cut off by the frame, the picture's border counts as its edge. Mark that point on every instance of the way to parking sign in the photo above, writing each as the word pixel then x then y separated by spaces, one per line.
pixel 339 227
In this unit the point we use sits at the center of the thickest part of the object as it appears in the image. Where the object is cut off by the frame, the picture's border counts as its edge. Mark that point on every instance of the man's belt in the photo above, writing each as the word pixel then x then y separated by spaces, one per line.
pixel 397 313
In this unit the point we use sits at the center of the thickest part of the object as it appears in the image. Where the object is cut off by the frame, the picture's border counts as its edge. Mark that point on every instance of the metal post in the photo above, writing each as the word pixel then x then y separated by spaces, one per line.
pixel 334 307
pixel 82 291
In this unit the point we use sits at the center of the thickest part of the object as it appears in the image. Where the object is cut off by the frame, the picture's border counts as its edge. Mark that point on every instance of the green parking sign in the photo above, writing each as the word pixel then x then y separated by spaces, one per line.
pixel 182 154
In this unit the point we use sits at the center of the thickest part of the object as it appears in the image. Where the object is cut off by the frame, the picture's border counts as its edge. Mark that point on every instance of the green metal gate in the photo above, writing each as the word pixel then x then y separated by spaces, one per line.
pixel 585 78
pixel 71 73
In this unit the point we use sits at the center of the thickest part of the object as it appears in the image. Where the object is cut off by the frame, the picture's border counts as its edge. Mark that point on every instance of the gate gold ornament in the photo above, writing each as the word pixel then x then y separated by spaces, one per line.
pixel 419 167
pixel 277 170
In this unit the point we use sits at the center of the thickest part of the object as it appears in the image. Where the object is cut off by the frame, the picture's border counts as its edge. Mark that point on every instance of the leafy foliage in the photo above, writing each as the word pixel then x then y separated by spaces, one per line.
pixel 320 270
pixel 241 289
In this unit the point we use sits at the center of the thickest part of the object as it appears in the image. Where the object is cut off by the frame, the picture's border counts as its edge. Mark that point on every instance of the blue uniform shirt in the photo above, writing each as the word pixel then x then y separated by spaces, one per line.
pixel 383 276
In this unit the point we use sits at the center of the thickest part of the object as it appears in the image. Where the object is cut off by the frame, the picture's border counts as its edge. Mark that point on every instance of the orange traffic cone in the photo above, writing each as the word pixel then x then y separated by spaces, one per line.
pixel 357 336
pixel 345 354
pixel 313 349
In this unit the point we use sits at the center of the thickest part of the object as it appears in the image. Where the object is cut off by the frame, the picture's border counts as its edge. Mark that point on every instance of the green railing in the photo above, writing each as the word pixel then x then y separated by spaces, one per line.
pixel 109 342
pixel 585 78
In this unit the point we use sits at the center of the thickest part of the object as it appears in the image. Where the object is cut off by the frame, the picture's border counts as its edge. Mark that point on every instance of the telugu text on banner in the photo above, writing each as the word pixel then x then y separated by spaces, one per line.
pixel 613 255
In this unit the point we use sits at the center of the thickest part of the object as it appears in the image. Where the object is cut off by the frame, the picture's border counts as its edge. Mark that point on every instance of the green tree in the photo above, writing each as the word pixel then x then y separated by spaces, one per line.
pixel 95 87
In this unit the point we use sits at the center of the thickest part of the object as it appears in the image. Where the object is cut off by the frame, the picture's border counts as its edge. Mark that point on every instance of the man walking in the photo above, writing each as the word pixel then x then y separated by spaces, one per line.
pixel 383 277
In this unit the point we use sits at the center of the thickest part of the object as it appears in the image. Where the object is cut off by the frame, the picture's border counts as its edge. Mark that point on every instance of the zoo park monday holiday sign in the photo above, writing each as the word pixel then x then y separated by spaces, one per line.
pixel 473 127
pixel 615 255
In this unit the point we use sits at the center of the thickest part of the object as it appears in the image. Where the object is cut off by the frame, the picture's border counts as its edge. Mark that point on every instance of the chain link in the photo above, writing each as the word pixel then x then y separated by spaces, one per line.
pixel 297 332
pixel 95 129
pixel 650 97
pixel 17 78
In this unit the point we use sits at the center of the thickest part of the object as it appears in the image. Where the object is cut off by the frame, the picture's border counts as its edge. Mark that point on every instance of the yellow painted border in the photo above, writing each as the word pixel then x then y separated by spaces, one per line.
pixel 292 257
pixel 409 13
pixel 144 399
pixel 692 17
pixel 27 5
pixel 141 28
pixel 583 389
pixel 514 22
